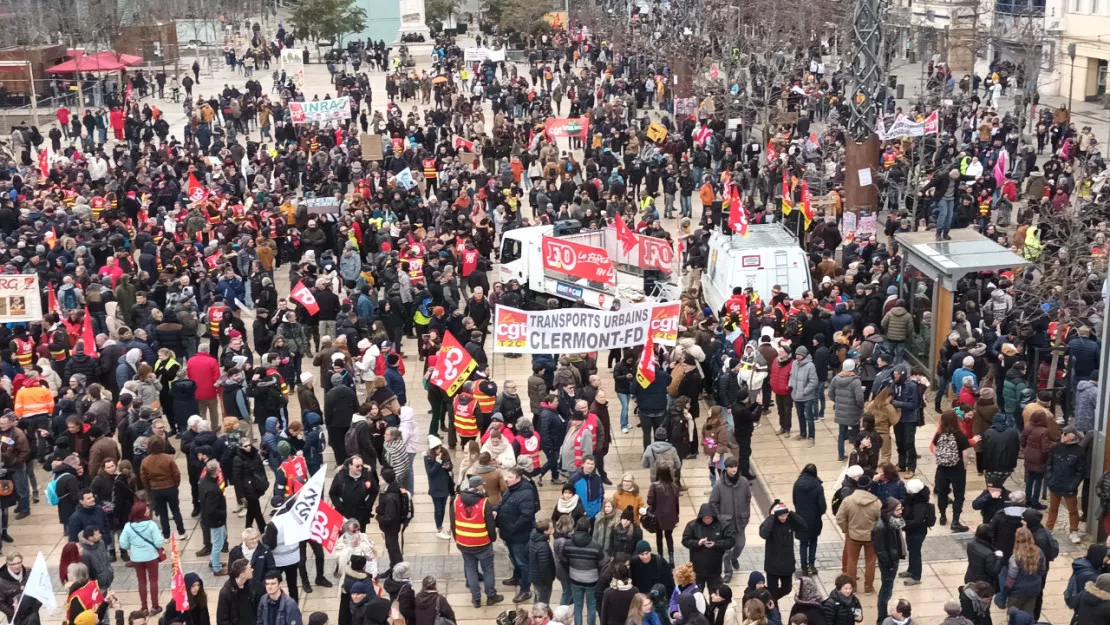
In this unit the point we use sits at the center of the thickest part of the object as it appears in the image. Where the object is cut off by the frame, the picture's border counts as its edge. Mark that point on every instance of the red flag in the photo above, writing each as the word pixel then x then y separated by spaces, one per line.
pixel 178 591
pixel 737 214
pixel 196 191
pixel 626 237
pixel 51 299
pixel 327 526
pixel 772 153
pixel 463 144
pixel 453 366
pixel 807 207
pixel 645 368
pixel 44 164
pixel 304 297
pixel 87 336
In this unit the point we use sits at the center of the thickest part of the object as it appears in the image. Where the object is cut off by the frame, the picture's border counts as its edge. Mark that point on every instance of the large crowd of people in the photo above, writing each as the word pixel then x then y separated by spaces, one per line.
pixel 170 250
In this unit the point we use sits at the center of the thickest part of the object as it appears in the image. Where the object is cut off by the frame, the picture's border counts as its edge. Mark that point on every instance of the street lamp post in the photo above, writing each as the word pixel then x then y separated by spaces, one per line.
pixel 1071 77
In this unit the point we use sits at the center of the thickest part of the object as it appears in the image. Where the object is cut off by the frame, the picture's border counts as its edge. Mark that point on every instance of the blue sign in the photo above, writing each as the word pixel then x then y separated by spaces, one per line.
pixel 735 89
pixel 568 290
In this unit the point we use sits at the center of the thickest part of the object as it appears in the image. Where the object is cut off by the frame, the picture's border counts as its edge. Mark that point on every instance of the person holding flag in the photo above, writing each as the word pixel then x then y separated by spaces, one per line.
pixel 650 391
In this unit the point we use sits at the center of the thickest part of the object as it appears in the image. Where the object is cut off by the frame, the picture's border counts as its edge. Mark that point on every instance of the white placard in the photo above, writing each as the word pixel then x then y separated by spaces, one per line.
pixel 864 176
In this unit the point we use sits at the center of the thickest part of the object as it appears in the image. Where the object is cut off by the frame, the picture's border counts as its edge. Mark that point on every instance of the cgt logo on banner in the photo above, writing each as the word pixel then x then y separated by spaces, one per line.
pixel 320 111
pixel 576 330
pixel 453 366
pixel 567 127
pixel 580 261
pixel 326 526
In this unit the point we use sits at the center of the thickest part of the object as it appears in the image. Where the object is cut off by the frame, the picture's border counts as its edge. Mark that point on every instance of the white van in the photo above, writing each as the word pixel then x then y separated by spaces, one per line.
pixel 769 255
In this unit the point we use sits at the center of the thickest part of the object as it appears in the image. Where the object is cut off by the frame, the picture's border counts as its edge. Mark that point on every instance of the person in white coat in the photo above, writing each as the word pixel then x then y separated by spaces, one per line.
pixel 412 442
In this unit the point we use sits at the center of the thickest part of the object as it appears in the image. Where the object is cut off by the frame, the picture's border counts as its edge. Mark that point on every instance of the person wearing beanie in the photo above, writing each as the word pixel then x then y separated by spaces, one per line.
pixel 340 406
pixel 856 517
pixel 1086 570
pixel 809 503
pixel 919 515
pixel 804 387
pixel 393 514
pixel 474 527
pixel 648 569
pixel 625 534
pixel 728 383
pixel 1067 468
pixel 660 452
pixel 886 538
pixel 846 394
pixel 778 530
pixel 440 469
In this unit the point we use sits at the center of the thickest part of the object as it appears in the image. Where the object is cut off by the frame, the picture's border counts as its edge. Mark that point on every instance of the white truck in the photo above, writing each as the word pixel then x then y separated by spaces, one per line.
pixel 769 255
pixel 521 258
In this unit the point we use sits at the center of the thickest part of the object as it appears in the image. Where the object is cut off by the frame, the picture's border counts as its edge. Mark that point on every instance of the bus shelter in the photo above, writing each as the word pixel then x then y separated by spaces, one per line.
pixel 929 276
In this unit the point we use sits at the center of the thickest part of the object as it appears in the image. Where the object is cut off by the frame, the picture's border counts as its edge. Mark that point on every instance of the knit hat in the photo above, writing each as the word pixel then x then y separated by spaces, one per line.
pixel 317 618
pixel 475 482
pixel 284 449
pixel 849 365
pixel 890 505
pixel 337 379
pixel 854 471
pixel 914 486
pixel 864 482
pixel 779 508
pixel 986 393
pixel 1102 582
pixel 434 441
pixel 641 547
pixel 756 578
pixel 627 513
pixel 733 362
pixel 88 617
pixel 358 563
pixel 361 588
pixel 306 377
pixel 234 334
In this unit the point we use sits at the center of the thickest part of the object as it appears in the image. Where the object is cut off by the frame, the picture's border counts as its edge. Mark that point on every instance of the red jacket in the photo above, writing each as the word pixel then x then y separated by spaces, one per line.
pixel 204 370
pixel 780 377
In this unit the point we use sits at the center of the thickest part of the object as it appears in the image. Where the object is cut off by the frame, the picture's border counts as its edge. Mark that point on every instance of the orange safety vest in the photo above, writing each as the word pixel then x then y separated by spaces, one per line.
pixel 215 316
pixel 89 596
pixel 466 426
pixel 486 403
pixel 530 448
pixel 470 527
pixel 429 169
pixel 416 270
pixel 25 352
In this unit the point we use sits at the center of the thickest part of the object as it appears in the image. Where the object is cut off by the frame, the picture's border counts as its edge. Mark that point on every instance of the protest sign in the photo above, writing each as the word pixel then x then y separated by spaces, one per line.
pixel 321 205
pixel 371 146
pixel 405 179
pixel 567 127
pixel 656 132
pixel 320 111
pixel 576 330
pixel 19 299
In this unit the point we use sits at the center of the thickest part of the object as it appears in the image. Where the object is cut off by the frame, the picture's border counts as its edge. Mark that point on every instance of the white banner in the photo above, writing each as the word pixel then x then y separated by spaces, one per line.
pixel 581 330
pixel 478 55
pixel 20 300
pixel 320 111
pixel 903 126
pixel 294 519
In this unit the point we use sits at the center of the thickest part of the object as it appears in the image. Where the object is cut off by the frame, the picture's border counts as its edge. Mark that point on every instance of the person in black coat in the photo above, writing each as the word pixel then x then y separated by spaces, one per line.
pixel 842 605
pixel 745 414
pixel 625 535
pixel 340 405
pixel 778 530
pixel 919 514
pixel 541 561
pixel 248 475
pixel 810 505
pixel 886 537
pixel 708 540
pixel 984 561
pixel 353 491
pixel 238 602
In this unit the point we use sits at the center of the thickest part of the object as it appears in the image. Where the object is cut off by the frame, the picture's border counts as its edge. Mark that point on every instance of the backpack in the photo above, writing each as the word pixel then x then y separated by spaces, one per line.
pixel 1072 592
pixel 407 511
pixel 69 299
pixel 947 451
pixel 350 439
pixel 930 515
pixel 52 497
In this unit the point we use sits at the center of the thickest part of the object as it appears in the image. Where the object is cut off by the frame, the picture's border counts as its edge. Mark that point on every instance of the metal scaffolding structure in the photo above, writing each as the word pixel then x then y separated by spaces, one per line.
pixel 867 68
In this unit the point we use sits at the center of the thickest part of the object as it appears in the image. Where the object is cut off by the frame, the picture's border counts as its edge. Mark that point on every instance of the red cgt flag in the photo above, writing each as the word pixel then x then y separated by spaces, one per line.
pixel 51 299
pixel 645 368
pixel 178 591
pixel 87 336
pixel 625 235
pixel 304 297
pixel 737 214
pixel 196 191
pixel 44 164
